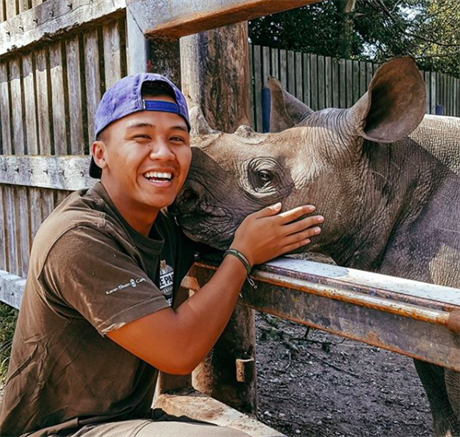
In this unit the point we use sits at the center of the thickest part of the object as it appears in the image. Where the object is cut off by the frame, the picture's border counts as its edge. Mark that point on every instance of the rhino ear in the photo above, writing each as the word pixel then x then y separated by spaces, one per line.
pixel 286 110
pixel 394 104
pixel 200 126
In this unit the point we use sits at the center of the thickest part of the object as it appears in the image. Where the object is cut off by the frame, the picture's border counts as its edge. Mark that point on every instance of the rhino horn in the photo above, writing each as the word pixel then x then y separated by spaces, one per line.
pixel 286 110
pixel 394 104
pixel 200 127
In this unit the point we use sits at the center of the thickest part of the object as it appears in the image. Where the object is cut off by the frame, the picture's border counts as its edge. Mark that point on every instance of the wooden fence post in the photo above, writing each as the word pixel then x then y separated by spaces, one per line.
pixel 215 75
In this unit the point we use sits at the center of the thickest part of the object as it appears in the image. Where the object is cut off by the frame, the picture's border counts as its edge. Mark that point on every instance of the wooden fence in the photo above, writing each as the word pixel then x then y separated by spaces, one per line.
pixel 325 82
pixel 49 92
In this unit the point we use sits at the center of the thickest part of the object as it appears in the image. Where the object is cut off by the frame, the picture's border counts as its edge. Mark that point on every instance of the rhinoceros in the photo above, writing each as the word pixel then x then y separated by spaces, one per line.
pixel 384 176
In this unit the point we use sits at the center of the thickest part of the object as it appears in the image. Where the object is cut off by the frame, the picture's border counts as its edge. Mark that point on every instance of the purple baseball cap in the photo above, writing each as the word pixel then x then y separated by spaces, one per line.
pixel 125 98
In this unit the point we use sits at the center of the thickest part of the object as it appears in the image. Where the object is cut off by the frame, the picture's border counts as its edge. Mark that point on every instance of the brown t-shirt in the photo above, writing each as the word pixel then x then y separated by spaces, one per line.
pixel 90 273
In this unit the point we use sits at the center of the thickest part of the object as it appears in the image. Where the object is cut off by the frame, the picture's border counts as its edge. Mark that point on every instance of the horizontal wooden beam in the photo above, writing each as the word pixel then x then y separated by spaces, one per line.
pixel 11 289
pixel 407 317
pixel 53 18
pixel 56 172
pixel 198 406
pixel 177 18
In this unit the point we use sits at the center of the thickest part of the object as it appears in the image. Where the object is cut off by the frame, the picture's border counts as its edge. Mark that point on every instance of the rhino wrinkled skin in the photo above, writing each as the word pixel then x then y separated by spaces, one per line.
pixel 385 177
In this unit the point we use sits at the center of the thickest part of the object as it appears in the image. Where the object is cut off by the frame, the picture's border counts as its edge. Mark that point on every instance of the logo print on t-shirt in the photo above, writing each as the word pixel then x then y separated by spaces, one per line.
pixel 166 281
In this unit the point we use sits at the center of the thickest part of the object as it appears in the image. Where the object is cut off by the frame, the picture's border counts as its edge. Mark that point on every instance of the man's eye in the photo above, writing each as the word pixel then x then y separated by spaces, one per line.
pixel 180 139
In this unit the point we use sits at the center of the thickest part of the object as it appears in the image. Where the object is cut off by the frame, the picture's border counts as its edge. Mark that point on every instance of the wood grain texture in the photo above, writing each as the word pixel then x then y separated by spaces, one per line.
pixel 3 236
pixel 58 98
pixel 30 107
pixel 215 74
pixel 43 102
pixel 11 230
pixel 53 18
pixel 177 18
pixel 5 110
pixel 56 172
pixel 77 110
pixel 93 84
pixel 17 99
pixel 24 213
pixel 112 53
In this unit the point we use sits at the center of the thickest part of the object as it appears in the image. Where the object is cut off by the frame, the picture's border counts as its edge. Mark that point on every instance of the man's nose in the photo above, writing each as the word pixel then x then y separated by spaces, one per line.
pixel 161 150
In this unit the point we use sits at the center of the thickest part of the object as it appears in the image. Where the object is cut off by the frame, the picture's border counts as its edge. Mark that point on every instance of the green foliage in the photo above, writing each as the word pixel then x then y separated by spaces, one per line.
pixel 374 30
pixel 8 317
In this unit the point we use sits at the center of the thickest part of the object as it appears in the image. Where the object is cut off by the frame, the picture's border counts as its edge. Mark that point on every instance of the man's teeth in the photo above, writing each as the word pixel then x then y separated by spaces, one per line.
pixel 157 175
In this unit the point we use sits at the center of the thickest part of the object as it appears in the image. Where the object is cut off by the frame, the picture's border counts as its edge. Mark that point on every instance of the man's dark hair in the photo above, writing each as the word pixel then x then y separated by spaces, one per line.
pixel 152 89
pixel 158 88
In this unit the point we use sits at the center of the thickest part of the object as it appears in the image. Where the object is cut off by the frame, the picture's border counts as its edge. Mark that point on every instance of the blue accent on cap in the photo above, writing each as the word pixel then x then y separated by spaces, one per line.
pixel 158 105
pixel 125 98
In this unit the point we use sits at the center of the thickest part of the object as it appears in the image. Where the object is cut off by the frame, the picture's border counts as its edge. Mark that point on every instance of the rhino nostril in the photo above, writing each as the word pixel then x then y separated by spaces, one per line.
pixel 189 194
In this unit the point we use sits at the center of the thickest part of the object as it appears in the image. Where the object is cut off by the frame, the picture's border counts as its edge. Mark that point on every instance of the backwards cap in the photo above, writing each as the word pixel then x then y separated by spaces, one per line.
pixel 125 98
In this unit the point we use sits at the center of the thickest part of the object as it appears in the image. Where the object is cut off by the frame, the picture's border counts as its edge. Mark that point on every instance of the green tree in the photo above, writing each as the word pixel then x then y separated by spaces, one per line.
pixel 375 30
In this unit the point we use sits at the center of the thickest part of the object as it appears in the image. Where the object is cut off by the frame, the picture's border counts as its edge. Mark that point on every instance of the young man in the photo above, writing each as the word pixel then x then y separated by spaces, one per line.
pixel 96 322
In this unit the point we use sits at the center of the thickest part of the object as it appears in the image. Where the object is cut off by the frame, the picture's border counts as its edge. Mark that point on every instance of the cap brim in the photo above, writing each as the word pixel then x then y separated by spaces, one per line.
pixel 94 171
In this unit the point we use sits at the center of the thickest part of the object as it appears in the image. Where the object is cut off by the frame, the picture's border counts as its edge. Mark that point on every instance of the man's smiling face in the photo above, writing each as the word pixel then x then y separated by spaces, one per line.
pixel 145 159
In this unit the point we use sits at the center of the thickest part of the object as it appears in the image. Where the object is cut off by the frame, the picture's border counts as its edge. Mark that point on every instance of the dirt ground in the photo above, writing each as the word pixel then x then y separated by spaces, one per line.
pixel 313 384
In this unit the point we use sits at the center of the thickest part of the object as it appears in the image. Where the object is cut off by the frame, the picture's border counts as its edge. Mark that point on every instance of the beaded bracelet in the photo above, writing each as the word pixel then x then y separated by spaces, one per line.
pixel 244 260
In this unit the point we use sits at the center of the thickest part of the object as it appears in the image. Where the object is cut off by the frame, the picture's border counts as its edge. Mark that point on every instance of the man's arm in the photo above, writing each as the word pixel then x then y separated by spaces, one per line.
pixel 177 341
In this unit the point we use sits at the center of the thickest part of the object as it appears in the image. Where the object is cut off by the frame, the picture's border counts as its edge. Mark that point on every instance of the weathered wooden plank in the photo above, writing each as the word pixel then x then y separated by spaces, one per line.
pixel 5 109
pixel 177 18
pixel 335 83
pixel 314 85
pixel 306 79
pixel 434 96
pixel 203 408
pixel 283 68
pixel 2 12
pixel 298 76
pixel 93 78
pixel 321 83
pixel 43 103
pixel 266 71
pixel 28 71
pixel 252 88
pixel 11 9
pixel 349 82
pixel 23 212
pixel 11 230
pixel 19 139
pixel 327 82
pixel 340 301
pixel 36 203
pixel 58 98
pixel 356 81
pixel 362 78
pixel 112 53
pixel 77 111
pixel 56 172
pixel 11 289
pixel 24 5
pixel 274 62
pixel 258 84
pixel 3 236
pixel 290 71
pixel 53 18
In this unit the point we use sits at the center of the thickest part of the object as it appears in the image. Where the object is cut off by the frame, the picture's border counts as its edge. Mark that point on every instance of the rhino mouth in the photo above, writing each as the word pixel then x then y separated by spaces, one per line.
pixel 215 230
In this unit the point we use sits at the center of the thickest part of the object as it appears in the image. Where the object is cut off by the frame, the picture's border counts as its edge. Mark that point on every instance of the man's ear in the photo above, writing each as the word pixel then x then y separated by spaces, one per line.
pixel 98 151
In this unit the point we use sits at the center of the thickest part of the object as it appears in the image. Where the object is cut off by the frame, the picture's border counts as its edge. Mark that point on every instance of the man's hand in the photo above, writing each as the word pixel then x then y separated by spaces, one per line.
pixel 267 233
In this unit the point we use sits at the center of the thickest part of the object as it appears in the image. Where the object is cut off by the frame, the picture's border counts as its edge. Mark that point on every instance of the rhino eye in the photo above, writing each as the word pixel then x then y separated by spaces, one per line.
pixel 264 176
